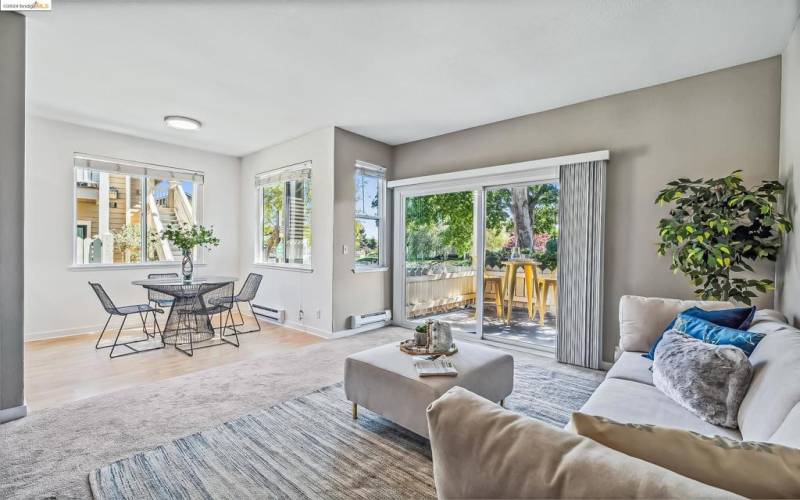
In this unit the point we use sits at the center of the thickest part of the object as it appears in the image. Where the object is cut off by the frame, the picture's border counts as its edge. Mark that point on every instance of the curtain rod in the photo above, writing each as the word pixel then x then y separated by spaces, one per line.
pixel 509 168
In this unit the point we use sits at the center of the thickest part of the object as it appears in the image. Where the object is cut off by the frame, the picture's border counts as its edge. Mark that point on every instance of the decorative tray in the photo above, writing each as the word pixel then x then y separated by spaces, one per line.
pixel 408 347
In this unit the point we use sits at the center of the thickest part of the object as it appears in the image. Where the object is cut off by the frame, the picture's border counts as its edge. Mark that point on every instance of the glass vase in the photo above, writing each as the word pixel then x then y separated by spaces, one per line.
pixel 187 266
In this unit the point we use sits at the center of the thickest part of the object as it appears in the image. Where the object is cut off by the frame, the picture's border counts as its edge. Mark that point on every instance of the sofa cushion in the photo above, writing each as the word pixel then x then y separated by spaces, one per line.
pixel 738 318
pixel 643 319
pixel 708 380
pixel 636 403
pixel 763 317
pixel 481 450
pixel 788 434
pixel 775 389
pixel 632 366
pixel 771 469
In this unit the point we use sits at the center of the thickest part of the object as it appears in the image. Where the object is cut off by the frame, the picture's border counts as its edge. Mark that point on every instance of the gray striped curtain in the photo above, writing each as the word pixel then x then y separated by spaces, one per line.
pixel 580 263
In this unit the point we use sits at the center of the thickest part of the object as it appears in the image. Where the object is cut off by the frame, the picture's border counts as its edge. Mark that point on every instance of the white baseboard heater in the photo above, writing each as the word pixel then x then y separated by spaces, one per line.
pixel 359 320
pixel 273 313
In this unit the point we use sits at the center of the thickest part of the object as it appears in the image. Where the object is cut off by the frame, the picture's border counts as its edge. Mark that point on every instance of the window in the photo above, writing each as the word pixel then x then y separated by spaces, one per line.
pixel 284 230
pixel 370 193
pixel 121 207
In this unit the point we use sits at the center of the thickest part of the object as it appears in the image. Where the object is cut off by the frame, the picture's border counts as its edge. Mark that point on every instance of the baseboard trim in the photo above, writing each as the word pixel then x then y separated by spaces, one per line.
pixel 353 331
pixel 17 412
pixel 65 332
pixel 294 325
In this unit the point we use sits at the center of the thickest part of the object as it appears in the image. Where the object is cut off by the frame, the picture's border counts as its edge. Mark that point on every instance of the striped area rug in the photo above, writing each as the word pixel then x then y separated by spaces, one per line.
pixel 310 447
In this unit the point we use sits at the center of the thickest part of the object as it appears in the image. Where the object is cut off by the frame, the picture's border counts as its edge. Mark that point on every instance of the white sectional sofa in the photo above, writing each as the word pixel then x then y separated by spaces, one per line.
pixel 770 412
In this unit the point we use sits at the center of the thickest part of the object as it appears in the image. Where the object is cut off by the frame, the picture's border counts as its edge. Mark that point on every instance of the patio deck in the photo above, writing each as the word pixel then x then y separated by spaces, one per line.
pixel 521 329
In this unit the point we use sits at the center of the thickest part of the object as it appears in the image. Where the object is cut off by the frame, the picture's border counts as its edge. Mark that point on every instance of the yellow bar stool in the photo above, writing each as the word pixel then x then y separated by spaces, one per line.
pixel 531 284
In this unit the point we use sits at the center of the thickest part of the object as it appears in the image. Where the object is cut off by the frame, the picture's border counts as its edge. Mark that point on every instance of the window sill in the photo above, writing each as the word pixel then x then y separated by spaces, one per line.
pixel 140 265
pixel 360 270
pixel 296 268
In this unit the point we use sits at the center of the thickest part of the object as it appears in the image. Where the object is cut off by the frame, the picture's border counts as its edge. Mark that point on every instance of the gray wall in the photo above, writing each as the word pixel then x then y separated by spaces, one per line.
pixel 789 264
pixel 363 292
pixel 705 125
pixel 12 188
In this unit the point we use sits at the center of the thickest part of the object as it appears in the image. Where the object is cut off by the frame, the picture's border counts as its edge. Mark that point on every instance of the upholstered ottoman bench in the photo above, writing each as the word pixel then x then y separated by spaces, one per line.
pixel 384 380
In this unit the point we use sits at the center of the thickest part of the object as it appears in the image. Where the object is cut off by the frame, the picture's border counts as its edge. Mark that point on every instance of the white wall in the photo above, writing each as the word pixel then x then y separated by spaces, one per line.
pixel 788 273
pixel 292 289
pixel 58 300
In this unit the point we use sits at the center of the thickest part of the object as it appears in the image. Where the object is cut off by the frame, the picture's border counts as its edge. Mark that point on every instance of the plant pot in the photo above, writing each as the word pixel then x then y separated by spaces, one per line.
pixel 187 267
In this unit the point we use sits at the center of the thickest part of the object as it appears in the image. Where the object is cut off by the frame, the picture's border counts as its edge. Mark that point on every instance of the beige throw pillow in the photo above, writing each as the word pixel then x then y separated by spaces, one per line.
pixel 749 468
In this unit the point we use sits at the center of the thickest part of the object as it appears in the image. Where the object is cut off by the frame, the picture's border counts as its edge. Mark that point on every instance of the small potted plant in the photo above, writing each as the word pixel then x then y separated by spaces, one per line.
pixel 188 237
pixel 421 333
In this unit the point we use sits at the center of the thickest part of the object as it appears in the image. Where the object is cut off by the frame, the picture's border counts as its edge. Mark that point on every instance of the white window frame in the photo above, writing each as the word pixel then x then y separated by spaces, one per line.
pixel 379 172
pixel 132 169
pixel 263 179
pixel 477 180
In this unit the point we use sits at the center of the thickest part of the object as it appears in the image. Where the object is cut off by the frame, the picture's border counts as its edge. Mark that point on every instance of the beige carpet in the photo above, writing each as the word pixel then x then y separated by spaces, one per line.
pixel 51 452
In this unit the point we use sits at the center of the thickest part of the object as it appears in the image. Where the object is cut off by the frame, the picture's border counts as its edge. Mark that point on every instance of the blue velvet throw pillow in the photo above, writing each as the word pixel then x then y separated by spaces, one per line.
pixel 710 333
pixel 738 318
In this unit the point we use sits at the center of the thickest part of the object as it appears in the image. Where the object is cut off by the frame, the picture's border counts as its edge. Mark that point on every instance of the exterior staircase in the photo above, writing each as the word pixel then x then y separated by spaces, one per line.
pixel 168 216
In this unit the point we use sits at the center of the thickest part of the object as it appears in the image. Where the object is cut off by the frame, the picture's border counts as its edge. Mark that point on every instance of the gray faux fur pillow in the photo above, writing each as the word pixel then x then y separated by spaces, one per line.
pixel 708 380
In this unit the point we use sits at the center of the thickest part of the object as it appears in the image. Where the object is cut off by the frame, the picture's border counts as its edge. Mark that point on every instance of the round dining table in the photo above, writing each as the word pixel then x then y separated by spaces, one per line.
pixel 184 302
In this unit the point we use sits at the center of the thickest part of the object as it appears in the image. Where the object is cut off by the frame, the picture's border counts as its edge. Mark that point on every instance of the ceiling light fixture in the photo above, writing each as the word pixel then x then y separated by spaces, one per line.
pixel 182 122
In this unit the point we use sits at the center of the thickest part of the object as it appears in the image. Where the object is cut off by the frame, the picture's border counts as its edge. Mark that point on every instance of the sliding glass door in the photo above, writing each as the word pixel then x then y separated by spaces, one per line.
pixel 481 258
pixel 520 261
pixel 440 259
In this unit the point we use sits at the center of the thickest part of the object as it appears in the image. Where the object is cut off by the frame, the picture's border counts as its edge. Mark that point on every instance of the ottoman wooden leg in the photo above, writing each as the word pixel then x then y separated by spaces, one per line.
pixel 355 411
pixel 502 402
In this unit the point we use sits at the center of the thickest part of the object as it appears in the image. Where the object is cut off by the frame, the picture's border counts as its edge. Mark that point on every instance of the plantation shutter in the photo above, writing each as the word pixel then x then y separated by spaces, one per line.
pixel 580 263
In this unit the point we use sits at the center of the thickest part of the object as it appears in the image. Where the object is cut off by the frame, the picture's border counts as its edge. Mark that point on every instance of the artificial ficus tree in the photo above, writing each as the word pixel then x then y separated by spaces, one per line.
pixel 717 229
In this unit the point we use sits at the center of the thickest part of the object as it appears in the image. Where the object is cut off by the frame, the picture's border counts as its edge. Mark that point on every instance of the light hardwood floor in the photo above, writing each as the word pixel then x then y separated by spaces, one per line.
pixel 66 369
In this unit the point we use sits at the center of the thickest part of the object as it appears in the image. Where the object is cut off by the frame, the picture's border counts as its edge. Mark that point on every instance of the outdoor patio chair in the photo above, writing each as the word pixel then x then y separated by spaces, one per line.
pixel 158 299
pixel 125 311
pixel 246 295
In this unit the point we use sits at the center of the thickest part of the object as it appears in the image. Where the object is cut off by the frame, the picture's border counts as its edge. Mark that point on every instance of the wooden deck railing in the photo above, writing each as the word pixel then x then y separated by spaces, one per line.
pixel 442 292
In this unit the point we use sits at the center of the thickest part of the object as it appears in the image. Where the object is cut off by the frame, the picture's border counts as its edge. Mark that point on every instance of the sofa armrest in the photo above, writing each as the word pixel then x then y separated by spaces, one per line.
pixel 643 319
pixel 481 450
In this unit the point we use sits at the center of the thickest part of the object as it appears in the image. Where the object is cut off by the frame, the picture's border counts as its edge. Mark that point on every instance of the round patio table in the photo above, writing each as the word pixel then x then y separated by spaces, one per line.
pixel 184 296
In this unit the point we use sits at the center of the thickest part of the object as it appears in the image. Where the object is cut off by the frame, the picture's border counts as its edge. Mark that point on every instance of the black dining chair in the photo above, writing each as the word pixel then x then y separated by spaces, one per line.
pixel 159 299
pixel 124 311
pixel 246 295
pixel 195 319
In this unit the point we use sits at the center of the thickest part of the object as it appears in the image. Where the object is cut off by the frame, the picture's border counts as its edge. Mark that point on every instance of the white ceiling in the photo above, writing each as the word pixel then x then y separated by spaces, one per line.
pixel 258 73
